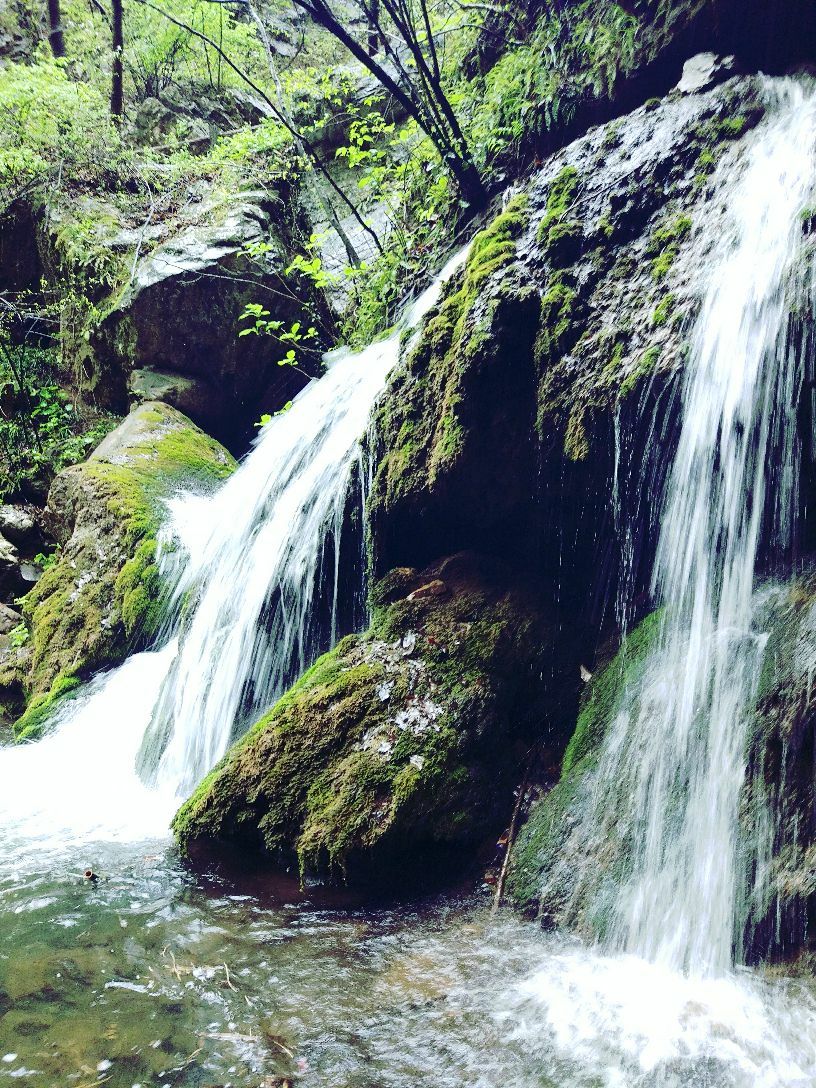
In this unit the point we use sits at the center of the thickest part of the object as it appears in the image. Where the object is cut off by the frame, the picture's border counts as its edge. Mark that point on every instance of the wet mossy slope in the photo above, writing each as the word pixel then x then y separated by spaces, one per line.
pixel 102 597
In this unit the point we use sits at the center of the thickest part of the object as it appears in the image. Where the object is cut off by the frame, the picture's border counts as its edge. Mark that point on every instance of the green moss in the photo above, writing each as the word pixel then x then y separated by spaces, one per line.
pixel 30 726
pixel 542 838
pixel 421 418
pixel 560 237
pixel 611 371
pixel 731 128
pixel 605 690
pixel 104 593
pixel 664 244
pixel 663 311
pixel 557 313
pixel 377 746
pixel 648 362
pixel 576 442
pixel 605 227
pixel 140 593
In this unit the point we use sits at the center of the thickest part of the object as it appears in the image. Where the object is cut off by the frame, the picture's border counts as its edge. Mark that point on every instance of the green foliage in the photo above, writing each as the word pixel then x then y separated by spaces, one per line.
pixel 560 237
pixel 41 428
pixel 576 52
pixel 261 323
pixel 18 636
pixel 53 126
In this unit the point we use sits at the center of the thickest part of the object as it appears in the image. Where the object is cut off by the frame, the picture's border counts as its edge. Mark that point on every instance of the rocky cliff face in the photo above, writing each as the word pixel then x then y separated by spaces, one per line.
pixel 565 332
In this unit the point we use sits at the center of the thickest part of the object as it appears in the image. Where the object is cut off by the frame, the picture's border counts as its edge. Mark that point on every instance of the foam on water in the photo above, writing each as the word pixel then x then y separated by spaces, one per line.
pixel 629 1022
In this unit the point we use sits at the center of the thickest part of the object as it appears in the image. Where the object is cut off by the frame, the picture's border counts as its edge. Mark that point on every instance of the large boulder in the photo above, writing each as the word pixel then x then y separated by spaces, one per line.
pixel 401 743
pixel 102 596
pixel 174 327
pixel 565 331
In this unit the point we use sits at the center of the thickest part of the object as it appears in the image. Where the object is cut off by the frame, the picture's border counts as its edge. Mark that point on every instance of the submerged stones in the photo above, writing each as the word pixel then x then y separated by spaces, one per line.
pixel 404 743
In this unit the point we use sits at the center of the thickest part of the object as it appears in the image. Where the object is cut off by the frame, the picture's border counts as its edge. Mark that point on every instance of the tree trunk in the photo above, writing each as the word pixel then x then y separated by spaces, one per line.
pixel 55 35
pixel 117 102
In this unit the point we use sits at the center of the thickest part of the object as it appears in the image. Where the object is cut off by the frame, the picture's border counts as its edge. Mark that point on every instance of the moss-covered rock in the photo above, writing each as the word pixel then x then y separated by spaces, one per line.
pixel 567 325
pixel 102 596
pixel 153 311
pixel 542 857
pixel 457 422
pixel 400 742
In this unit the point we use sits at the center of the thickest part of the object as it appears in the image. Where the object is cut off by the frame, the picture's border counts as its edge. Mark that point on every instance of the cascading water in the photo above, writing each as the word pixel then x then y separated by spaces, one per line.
pixel 672 768
pixel 143 975
pixel 251 558
pixel 247 566
pixel 251 561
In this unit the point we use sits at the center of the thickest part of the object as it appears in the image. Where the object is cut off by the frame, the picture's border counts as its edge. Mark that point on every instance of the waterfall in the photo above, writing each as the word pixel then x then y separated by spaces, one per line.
pixel 670 777
pixel 248 565
pixel 251 561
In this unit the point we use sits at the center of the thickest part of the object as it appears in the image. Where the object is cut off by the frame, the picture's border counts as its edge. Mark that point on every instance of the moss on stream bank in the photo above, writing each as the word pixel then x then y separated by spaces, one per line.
pixel 103 597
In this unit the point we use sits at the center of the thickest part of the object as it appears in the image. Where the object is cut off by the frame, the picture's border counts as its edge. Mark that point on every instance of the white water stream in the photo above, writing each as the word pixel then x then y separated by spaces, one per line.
pixel 247 564
pixel 673 763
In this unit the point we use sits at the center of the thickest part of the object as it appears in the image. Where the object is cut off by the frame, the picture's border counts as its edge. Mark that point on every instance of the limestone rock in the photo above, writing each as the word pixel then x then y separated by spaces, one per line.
pixel 9 619
pixel 704 71
pixel 569 317
pixel 173 331
pixel 19 525
pixel 9 568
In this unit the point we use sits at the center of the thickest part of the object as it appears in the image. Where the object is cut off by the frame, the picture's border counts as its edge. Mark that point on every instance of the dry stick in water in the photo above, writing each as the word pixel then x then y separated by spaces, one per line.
pixel 511 836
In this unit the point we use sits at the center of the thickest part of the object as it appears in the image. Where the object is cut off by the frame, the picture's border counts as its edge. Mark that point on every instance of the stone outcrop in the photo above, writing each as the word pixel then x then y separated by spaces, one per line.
pixel 102 597
pixel 568 322
pixel 402 743
pixel 172 331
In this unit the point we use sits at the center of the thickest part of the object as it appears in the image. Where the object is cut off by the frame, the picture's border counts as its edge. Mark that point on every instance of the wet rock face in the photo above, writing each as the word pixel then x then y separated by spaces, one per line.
pixel 562 867
pixel 782 770
pixel 102 597
pixel 561 343
pixel 402 742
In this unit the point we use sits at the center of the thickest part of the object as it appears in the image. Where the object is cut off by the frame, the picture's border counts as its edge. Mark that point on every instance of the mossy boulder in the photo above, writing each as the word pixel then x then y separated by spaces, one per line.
pixel 457 423
pixel 550 860
pixel 403 742
pixel 102 597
